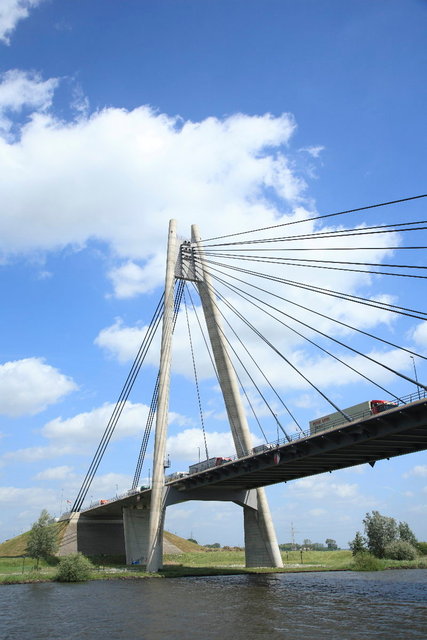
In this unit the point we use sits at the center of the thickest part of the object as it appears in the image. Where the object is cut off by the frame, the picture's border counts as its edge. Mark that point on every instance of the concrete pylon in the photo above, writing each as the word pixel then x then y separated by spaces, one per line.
pixel 261 546
pixel 156 519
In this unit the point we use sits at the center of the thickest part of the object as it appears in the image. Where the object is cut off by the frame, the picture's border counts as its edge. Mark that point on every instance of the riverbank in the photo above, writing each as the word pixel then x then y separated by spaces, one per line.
pixel 19 570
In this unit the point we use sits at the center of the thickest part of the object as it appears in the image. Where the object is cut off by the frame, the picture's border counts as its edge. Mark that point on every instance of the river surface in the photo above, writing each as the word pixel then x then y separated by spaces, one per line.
pixel 386 605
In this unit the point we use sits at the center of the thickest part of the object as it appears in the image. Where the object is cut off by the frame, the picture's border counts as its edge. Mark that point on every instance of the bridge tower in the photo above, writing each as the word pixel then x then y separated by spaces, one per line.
pixel 261 546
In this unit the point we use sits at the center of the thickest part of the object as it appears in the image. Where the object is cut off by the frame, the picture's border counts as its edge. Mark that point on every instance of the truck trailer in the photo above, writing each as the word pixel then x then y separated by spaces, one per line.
pixel 207 464
pixel 356 412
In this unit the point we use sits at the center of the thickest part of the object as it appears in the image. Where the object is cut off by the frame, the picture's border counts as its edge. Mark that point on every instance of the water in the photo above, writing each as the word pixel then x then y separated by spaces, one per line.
pixel 334 606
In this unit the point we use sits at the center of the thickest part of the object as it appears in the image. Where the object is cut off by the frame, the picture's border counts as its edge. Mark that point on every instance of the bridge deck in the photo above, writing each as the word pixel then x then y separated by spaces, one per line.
pixel 392 433
pixel 386 435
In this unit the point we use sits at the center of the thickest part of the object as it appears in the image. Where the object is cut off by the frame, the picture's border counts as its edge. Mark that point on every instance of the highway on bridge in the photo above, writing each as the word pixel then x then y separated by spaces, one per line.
pixel 378 437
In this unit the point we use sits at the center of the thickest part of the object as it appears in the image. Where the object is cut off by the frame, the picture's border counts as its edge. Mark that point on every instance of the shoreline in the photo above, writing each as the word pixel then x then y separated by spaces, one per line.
pixel 180 571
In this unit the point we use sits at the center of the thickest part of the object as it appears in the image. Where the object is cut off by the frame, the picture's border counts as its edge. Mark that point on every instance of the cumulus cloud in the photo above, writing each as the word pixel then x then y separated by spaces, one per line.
pixel 185 445
pixel 419 471
pixel 90 425
pixel 55 473
pixel 11 12
pixel 419 335
pixel 28 497
pixel 121 342
pixel 22 91
pixel 130 280
pixel 19 89
pixel 314 151
pixel 42 452
pixel 119 176
pixel 29 386
pixel 321 488
pixel 76 435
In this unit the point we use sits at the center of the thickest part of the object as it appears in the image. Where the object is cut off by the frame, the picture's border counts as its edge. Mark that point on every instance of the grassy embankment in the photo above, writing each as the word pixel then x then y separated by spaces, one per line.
pixel 193 561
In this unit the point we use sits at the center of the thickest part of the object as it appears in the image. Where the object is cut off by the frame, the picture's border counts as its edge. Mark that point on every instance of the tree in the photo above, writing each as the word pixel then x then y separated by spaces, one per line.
pixel 357 545
pixel 406 534
pixel 380 531
pixel 317 546
pixel 331 544
pixel 42 542
pixel 400 550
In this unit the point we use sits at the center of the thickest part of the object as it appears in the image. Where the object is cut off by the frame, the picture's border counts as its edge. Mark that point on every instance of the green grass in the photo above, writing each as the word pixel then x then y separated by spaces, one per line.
pixel 199 562
pixel 331 560
pixel 17 546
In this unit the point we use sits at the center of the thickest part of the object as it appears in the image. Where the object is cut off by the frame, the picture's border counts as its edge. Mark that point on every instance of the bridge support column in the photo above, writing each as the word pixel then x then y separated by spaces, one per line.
pixel 136 527
pixel 261 548
pixel 259 529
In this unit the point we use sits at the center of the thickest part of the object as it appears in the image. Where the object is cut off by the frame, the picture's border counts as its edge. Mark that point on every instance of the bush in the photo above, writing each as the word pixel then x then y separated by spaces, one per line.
pixel 74 568
pixel 400 550
pixel 422 548
pixel 365 561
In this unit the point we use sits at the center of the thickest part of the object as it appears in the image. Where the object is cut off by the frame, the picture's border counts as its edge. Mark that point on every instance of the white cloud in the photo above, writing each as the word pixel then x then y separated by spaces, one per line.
pixel 11 12
pixel 419 334
pixel 55 473
pixel 185 445
pixel 109 484
pixel 64 184
pixel 322 487
pixel 314 151
pixel 121 342
pixel 130 280
pixel 25 496
pixel 35 454
pixel 28 386
pixel 89 426
pixel 419 471
pixel 68 181
pixel 23 90
pixel 76 435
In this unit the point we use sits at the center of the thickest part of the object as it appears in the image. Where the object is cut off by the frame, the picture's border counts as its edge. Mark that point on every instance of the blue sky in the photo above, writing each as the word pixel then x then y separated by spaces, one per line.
pixel 116 117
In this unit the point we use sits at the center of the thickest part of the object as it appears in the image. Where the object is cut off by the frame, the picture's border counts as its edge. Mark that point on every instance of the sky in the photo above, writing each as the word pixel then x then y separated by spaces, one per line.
pixel 233 115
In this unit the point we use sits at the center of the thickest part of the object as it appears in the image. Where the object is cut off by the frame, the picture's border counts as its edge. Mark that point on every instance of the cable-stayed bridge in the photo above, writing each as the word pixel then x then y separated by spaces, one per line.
pixel 216 272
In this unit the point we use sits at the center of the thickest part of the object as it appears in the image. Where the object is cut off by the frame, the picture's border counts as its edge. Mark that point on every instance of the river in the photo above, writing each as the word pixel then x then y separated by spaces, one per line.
pixel 386 605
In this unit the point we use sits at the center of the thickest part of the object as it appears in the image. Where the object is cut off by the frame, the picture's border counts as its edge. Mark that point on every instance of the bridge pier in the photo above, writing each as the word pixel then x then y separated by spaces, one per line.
pixel 261 548
pixel 136 521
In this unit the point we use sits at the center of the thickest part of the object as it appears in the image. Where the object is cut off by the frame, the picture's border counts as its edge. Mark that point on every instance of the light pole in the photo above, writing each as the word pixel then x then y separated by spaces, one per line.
pixel 415 373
